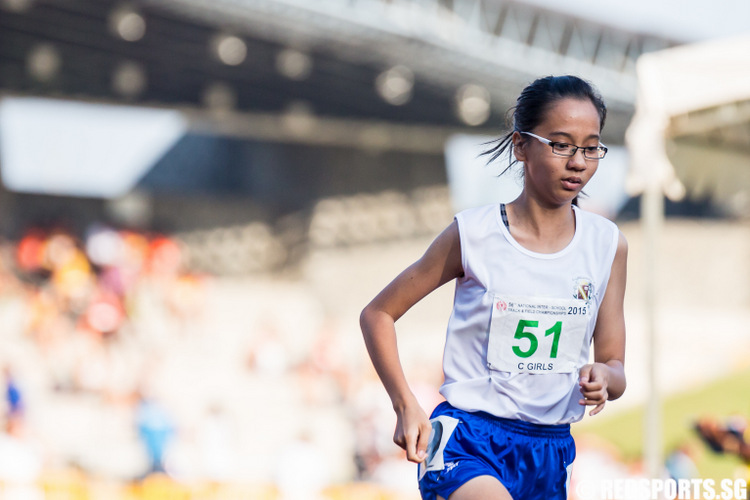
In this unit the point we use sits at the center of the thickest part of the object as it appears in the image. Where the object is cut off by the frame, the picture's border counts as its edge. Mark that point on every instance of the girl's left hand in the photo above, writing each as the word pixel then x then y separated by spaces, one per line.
pixel 593 380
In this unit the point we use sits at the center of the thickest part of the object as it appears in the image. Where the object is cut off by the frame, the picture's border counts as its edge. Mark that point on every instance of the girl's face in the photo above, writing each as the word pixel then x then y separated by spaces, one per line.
pixel 552 179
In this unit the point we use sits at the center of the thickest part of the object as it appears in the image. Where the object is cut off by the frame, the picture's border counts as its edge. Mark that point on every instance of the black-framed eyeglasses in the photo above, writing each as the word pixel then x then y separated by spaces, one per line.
pixel 565 149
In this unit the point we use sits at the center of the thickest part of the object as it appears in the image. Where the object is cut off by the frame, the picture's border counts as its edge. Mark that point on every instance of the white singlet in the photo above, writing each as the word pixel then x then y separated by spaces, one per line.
pixel 522 321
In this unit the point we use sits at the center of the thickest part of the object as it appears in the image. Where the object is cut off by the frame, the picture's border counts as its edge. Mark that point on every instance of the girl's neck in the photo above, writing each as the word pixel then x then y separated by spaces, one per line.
pixel 540 228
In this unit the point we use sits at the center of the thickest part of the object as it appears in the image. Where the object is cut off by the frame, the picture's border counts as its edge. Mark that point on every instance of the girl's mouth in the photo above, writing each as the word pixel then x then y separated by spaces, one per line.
pixel 572 183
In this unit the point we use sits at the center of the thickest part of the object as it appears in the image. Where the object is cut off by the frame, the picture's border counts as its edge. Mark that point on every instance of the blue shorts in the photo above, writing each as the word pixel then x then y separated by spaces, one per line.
pixel 532 461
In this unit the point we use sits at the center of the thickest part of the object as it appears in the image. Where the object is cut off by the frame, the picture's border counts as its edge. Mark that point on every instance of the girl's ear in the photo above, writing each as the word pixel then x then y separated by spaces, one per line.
pixel 518 146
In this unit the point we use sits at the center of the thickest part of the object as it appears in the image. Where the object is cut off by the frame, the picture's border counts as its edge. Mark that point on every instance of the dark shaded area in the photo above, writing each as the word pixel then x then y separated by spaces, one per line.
pixel 687 207
pixel 209 181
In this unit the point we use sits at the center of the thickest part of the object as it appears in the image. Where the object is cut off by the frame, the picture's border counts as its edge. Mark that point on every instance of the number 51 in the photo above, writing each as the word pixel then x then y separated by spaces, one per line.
pixel 522 333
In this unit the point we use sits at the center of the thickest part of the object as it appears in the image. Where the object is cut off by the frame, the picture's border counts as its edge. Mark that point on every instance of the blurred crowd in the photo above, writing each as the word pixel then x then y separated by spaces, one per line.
pixel 69 309
pixel 81 296
pixel 120 364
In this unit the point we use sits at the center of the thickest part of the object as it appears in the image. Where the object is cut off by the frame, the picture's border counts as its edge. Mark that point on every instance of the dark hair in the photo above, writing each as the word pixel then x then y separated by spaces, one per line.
pixel 533 103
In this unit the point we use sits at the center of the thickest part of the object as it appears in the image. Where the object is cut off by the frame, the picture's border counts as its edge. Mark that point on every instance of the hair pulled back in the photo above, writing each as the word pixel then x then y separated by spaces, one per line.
pixel 533 104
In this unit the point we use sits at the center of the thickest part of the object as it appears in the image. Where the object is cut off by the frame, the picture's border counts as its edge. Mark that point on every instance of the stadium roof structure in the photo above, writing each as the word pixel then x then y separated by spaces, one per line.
pixel 691 129
pixel 329 71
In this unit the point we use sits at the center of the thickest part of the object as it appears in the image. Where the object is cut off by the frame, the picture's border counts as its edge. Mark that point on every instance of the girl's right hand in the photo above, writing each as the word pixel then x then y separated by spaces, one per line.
pixel 412 433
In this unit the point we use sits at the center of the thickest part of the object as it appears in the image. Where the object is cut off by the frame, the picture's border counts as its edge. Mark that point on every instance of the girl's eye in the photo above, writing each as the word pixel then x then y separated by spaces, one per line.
pixel 561 147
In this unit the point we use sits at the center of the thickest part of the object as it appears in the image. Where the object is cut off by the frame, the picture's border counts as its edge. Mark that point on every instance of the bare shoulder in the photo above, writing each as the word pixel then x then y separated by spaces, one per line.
pixel 621 254
pixel 622 242
pixel 444 253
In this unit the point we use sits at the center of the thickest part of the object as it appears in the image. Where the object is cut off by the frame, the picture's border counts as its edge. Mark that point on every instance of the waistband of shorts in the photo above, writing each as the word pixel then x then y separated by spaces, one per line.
pixel 518 426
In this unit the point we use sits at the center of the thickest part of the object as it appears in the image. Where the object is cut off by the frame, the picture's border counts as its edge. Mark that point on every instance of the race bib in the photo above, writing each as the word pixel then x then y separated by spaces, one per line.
pixel 537 335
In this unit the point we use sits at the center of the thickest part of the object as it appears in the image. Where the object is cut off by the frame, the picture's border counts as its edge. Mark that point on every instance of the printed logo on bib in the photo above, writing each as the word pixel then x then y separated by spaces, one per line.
pixel 537 335
pixel 583 289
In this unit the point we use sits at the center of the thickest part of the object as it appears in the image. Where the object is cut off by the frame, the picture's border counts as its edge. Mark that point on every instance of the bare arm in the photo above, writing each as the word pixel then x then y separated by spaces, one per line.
pixel 440 264
pixel 605 378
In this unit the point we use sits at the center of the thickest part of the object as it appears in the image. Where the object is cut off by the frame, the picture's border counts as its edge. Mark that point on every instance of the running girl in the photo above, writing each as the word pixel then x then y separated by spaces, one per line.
pixel 537 282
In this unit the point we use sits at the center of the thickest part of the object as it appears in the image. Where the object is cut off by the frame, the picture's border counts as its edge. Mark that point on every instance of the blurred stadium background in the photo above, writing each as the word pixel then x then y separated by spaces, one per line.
pixel 199 196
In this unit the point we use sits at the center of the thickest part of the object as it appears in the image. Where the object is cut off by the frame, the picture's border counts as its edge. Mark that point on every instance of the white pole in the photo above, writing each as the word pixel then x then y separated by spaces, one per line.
pixel 652 220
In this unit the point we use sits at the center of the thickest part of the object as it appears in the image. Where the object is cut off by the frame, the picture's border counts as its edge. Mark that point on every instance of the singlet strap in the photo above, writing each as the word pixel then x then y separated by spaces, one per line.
pixel 504 215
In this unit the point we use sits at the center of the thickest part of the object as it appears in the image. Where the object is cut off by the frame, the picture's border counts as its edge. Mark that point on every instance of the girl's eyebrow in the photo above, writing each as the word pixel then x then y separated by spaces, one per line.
pixel 569 137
